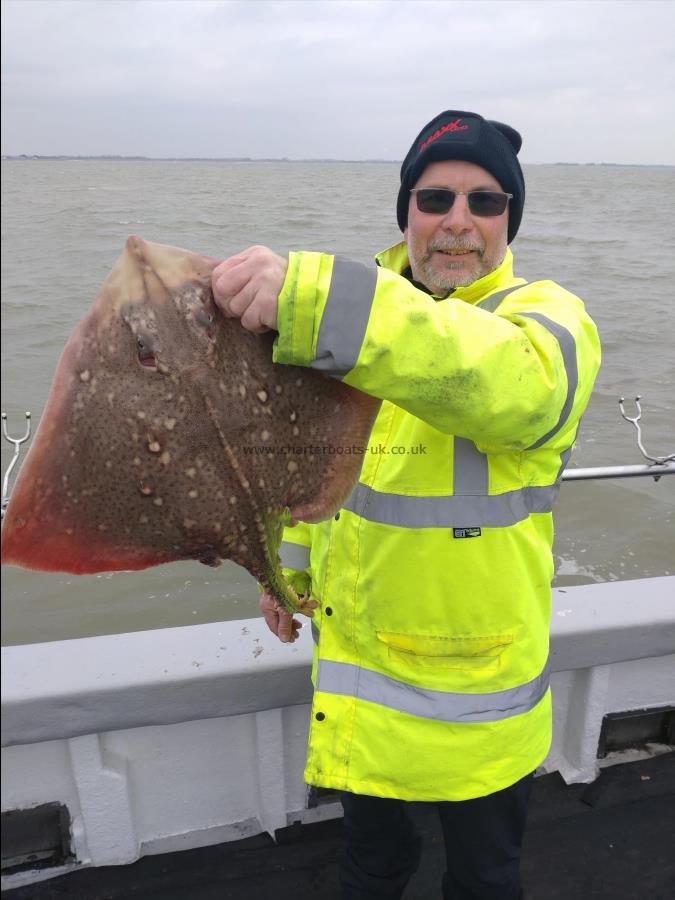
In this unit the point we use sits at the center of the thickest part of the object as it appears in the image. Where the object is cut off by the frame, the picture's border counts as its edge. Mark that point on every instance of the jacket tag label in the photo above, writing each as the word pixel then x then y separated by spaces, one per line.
pixel 465 532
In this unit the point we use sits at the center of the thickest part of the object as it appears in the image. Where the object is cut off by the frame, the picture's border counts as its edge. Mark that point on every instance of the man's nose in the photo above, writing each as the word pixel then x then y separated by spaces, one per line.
pixel 458 218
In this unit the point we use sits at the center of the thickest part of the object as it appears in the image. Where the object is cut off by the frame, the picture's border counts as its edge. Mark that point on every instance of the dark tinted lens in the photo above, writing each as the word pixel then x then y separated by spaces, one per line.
pixel 487 203
pixel 434 200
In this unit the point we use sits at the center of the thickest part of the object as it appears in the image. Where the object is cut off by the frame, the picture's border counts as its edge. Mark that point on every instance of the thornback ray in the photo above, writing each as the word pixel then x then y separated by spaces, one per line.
pixel 170 434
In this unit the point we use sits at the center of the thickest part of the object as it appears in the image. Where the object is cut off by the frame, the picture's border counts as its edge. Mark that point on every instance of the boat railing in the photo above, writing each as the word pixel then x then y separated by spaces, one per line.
pixel 655 467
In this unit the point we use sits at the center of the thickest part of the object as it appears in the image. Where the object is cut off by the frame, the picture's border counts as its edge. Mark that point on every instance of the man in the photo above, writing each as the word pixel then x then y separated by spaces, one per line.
pixel 433 583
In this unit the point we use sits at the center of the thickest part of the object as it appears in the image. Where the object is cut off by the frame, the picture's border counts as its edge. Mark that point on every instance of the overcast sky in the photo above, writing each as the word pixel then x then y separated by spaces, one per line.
pixel 583 81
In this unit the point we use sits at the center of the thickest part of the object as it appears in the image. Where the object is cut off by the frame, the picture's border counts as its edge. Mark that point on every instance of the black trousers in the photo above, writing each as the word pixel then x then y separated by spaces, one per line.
pixel 483 838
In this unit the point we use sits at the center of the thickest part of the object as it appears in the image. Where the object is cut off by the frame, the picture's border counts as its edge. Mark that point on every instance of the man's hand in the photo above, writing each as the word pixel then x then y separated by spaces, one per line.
pixel 247 287
pixel 279 621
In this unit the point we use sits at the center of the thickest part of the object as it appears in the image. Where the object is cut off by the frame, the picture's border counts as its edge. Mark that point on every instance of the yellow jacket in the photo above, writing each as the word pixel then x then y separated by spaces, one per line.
pixel 431 661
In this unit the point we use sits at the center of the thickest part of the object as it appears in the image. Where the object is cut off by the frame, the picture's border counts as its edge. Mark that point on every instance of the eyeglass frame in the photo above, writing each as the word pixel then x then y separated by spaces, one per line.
pixel 462 194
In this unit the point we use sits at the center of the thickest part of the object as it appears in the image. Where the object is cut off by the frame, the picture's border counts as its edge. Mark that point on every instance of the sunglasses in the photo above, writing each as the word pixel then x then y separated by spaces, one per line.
pixel 438 201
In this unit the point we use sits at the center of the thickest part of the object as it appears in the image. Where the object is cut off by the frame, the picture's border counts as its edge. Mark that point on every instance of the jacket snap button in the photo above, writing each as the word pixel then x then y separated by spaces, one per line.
pixel 320 716
pixel 337 516
pixel 329 610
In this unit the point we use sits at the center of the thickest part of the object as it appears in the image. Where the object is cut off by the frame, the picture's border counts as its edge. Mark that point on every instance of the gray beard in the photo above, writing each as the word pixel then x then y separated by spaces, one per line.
pixel 440 282
pixel 447 283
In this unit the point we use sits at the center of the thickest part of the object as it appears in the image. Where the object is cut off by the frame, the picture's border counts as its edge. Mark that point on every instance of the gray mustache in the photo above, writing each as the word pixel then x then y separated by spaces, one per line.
pixel 454 248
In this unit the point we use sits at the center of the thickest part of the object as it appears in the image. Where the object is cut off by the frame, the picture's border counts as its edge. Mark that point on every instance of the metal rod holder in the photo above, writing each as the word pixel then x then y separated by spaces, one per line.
pixel 18 441
pixel 658 465
pixel 635 420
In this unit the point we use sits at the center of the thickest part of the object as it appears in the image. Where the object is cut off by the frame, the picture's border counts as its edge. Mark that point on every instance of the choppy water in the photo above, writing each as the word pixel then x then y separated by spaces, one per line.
pixel 606 233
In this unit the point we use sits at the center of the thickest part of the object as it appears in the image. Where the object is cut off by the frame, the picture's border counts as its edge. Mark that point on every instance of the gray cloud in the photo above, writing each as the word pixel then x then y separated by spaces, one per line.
pixel 583 81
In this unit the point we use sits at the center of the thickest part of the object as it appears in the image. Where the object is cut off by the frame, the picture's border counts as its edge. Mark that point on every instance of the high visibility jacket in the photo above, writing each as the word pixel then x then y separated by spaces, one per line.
pixel 431 669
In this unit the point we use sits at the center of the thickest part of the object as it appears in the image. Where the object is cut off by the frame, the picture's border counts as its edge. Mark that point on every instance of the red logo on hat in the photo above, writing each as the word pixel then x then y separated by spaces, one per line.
pixel 451 126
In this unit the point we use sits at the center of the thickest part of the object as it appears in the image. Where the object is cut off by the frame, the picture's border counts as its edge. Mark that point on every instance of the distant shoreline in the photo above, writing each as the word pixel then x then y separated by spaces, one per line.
pixel 24 157
pixel 244 159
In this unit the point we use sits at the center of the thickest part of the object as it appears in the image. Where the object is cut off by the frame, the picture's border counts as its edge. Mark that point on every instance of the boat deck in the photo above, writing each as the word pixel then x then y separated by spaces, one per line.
pixel 610 839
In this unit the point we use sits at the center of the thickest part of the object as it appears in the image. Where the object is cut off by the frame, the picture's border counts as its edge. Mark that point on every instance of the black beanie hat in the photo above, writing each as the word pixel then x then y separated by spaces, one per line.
pixel 463 135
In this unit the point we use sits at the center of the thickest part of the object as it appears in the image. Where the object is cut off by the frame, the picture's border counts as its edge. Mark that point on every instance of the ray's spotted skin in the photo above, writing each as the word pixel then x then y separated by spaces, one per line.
pixel 169 434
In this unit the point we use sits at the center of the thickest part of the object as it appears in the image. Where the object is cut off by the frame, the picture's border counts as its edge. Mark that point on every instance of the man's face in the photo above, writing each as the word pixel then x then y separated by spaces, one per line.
pixel 456 248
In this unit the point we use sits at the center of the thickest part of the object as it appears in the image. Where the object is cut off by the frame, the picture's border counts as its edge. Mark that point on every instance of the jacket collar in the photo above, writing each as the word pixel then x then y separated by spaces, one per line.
pixel 396 259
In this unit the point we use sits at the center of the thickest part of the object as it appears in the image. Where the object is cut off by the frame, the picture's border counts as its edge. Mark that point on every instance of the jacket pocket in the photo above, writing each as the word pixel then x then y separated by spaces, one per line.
pixel 446 652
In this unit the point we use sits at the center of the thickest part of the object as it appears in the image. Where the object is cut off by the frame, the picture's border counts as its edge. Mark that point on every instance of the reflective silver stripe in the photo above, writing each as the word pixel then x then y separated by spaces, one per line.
pixel 564 459
pixel 497 511
pixel 293 556
pixel 445 706
pixel 568 348
pixel 316 634
pixel 492 302
pixel 470 469
pixel 345 317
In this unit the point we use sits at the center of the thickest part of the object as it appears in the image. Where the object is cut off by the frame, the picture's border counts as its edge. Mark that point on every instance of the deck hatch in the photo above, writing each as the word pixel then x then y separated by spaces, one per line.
pixel 36 838
pixel 635 728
